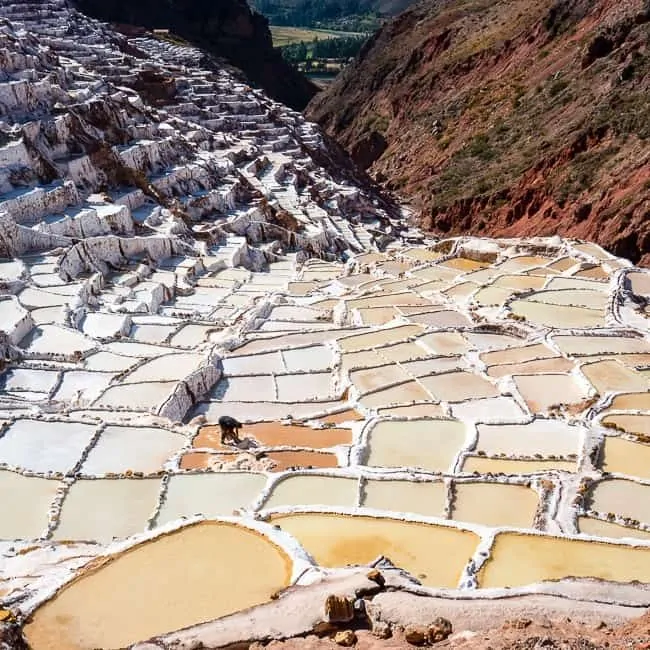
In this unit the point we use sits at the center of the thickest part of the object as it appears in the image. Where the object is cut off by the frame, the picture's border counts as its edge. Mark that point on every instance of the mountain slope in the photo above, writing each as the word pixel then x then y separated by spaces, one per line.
pixel 508 118
pixel 225 28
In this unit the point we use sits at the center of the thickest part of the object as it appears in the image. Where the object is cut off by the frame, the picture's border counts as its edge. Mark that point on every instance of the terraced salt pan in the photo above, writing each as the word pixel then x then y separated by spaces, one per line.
pixel 318 357
pixel 191 335
pixel 611 376
pixel 255 363
pixel 625 498
pixel 426 498
pixel 445 343
pixel 313 490
pixel 600 528
pixel 367 380
pixel 458 386
pixel 427 444
pixel 516 355
pixel 144 396
pixel 99 325
pixel 40 381
pixel 626 457
pixel 211 495
pixel 593 345
pixel 162 585
pixel 44 447
pixel 82 386
pixel 388 335
pixel 408 392
pixel 136 449
pixel 558 316
pixel 541 392
pixel 631 402
pixel 632 423
pixel 490 409
pixel 412 411
pixel 484 465
pixel 32 298
pixel 304 387
pixel 245 388
pixel 544 437
pixel 171 367
pixel 102 509
pixel 495 504
pixel 55 341
pixel 538 366
pixel 573 298
pixel 338 540
pixel 518 560
pixel 259 411
pixel 109 362
pixel 25 505
pixel 286 459
pixel 486 341
pixel 152 333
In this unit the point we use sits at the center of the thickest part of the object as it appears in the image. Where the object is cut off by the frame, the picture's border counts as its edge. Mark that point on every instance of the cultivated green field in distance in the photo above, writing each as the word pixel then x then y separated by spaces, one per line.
pixel 283 35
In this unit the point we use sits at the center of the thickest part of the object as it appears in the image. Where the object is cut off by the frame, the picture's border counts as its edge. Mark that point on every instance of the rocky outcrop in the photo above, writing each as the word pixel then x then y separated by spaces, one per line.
pixel 499 120
pixel 225 28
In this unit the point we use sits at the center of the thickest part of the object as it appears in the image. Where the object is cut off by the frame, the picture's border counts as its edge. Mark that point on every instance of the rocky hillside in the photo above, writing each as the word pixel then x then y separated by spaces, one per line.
pixel 508 117
pixel 225 28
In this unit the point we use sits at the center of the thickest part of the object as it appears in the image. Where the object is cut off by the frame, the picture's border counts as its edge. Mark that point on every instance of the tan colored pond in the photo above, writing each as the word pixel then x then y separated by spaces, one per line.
pixel 598 345
pixel 25 514
pixel 600 528
pixel 440 319
pixel 563 264
pixel 428 444
pixel 631 402
pixel 484 465
pixel 380 337
pixel 626 457
pixel 541 392
pixel 464 264
pixel 169 583
pixel 492 295
pixel 632 423
pixel 366 380
pixel 339 540
pixel 519 560
pixel 349 415
pixel 558 316
pixel 523 262
pixel 495 504
pixel 520 282
pixel 212 494
pixel 622 497
pixel 544 437
pixel 411 391
pixel 552 365
pixel 314 490
pixel 101 509
pixel 514 355
pixel 594 273
pixel 413 410
pixel 286 459
pixel 426 498
pixel 611 376
pixel 377 315
pixel 444 343
pixel 458 386
pixel 402 352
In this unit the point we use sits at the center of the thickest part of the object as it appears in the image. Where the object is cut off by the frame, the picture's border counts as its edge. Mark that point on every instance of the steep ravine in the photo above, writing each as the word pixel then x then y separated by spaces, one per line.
pixel 226 28
pixel 507 118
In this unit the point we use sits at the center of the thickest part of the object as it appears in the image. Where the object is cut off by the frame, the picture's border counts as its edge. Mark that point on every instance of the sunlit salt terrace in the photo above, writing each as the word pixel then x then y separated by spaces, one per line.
pixel 516 448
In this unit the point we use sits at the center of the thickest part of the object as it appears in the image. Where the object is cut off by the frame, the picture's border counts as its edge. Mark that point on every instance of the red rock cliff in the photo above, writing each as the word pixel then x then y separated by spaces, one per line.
pixel 508 117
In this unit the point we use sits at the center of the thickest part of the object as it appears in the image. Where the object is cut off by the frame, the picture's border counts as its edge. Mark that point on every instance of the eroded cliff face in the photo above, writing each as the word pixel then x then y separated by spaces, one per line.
pixel 225 28
pixel 512 118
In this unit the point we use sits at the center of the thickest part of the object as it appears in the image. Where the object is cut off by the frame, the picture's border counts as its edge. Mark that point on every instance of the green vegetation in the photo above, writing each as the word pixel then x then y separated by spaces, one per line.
pixel 284 36
pixel 343 15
